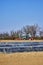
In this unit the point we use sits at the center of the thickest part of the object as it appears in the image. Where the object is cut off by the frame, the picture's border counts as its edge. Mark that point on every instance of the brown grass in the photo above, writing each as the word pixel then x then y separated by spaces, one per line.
pixel 21 40
pixel 25 58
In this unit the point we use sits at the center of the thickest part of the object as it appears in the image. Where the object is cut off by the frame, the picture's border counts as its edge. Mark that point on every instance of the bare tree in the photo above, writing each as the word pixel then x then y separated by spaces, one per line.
pixel 41 33
pixel 33 30
pixel 5 35
pixel 26 31
pixel 19 32
pixel 12 35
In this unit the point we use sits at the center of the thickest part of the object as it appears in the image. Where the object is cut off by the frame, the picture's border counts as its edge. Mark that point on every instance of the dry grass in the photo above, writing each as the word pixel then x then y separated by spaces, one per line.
pixel 25 58
pixel 21 40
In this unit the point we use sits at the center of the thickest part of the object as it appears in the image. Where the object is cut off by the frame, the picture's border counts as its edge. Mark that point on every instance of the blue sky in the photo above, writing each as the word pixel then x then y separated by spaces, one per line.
pixel 14 14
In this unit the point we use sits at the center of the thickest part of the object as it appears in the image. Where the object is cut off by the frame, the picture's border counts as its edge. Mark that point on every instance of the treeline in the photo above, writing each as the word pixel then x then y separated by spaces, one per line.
pixel 27 32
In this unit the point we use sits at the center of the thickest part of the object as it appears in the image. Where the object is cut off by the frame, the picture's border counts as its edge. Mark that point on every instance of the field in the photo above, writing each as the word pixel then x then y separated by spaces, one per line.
pixel 25 58
pixel 21 40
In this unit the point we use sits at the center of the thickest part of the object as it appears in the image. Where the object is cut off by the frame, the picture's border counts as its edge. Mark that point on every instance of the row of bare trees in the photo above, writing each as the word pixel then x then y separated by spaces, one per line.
pixel 33 30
